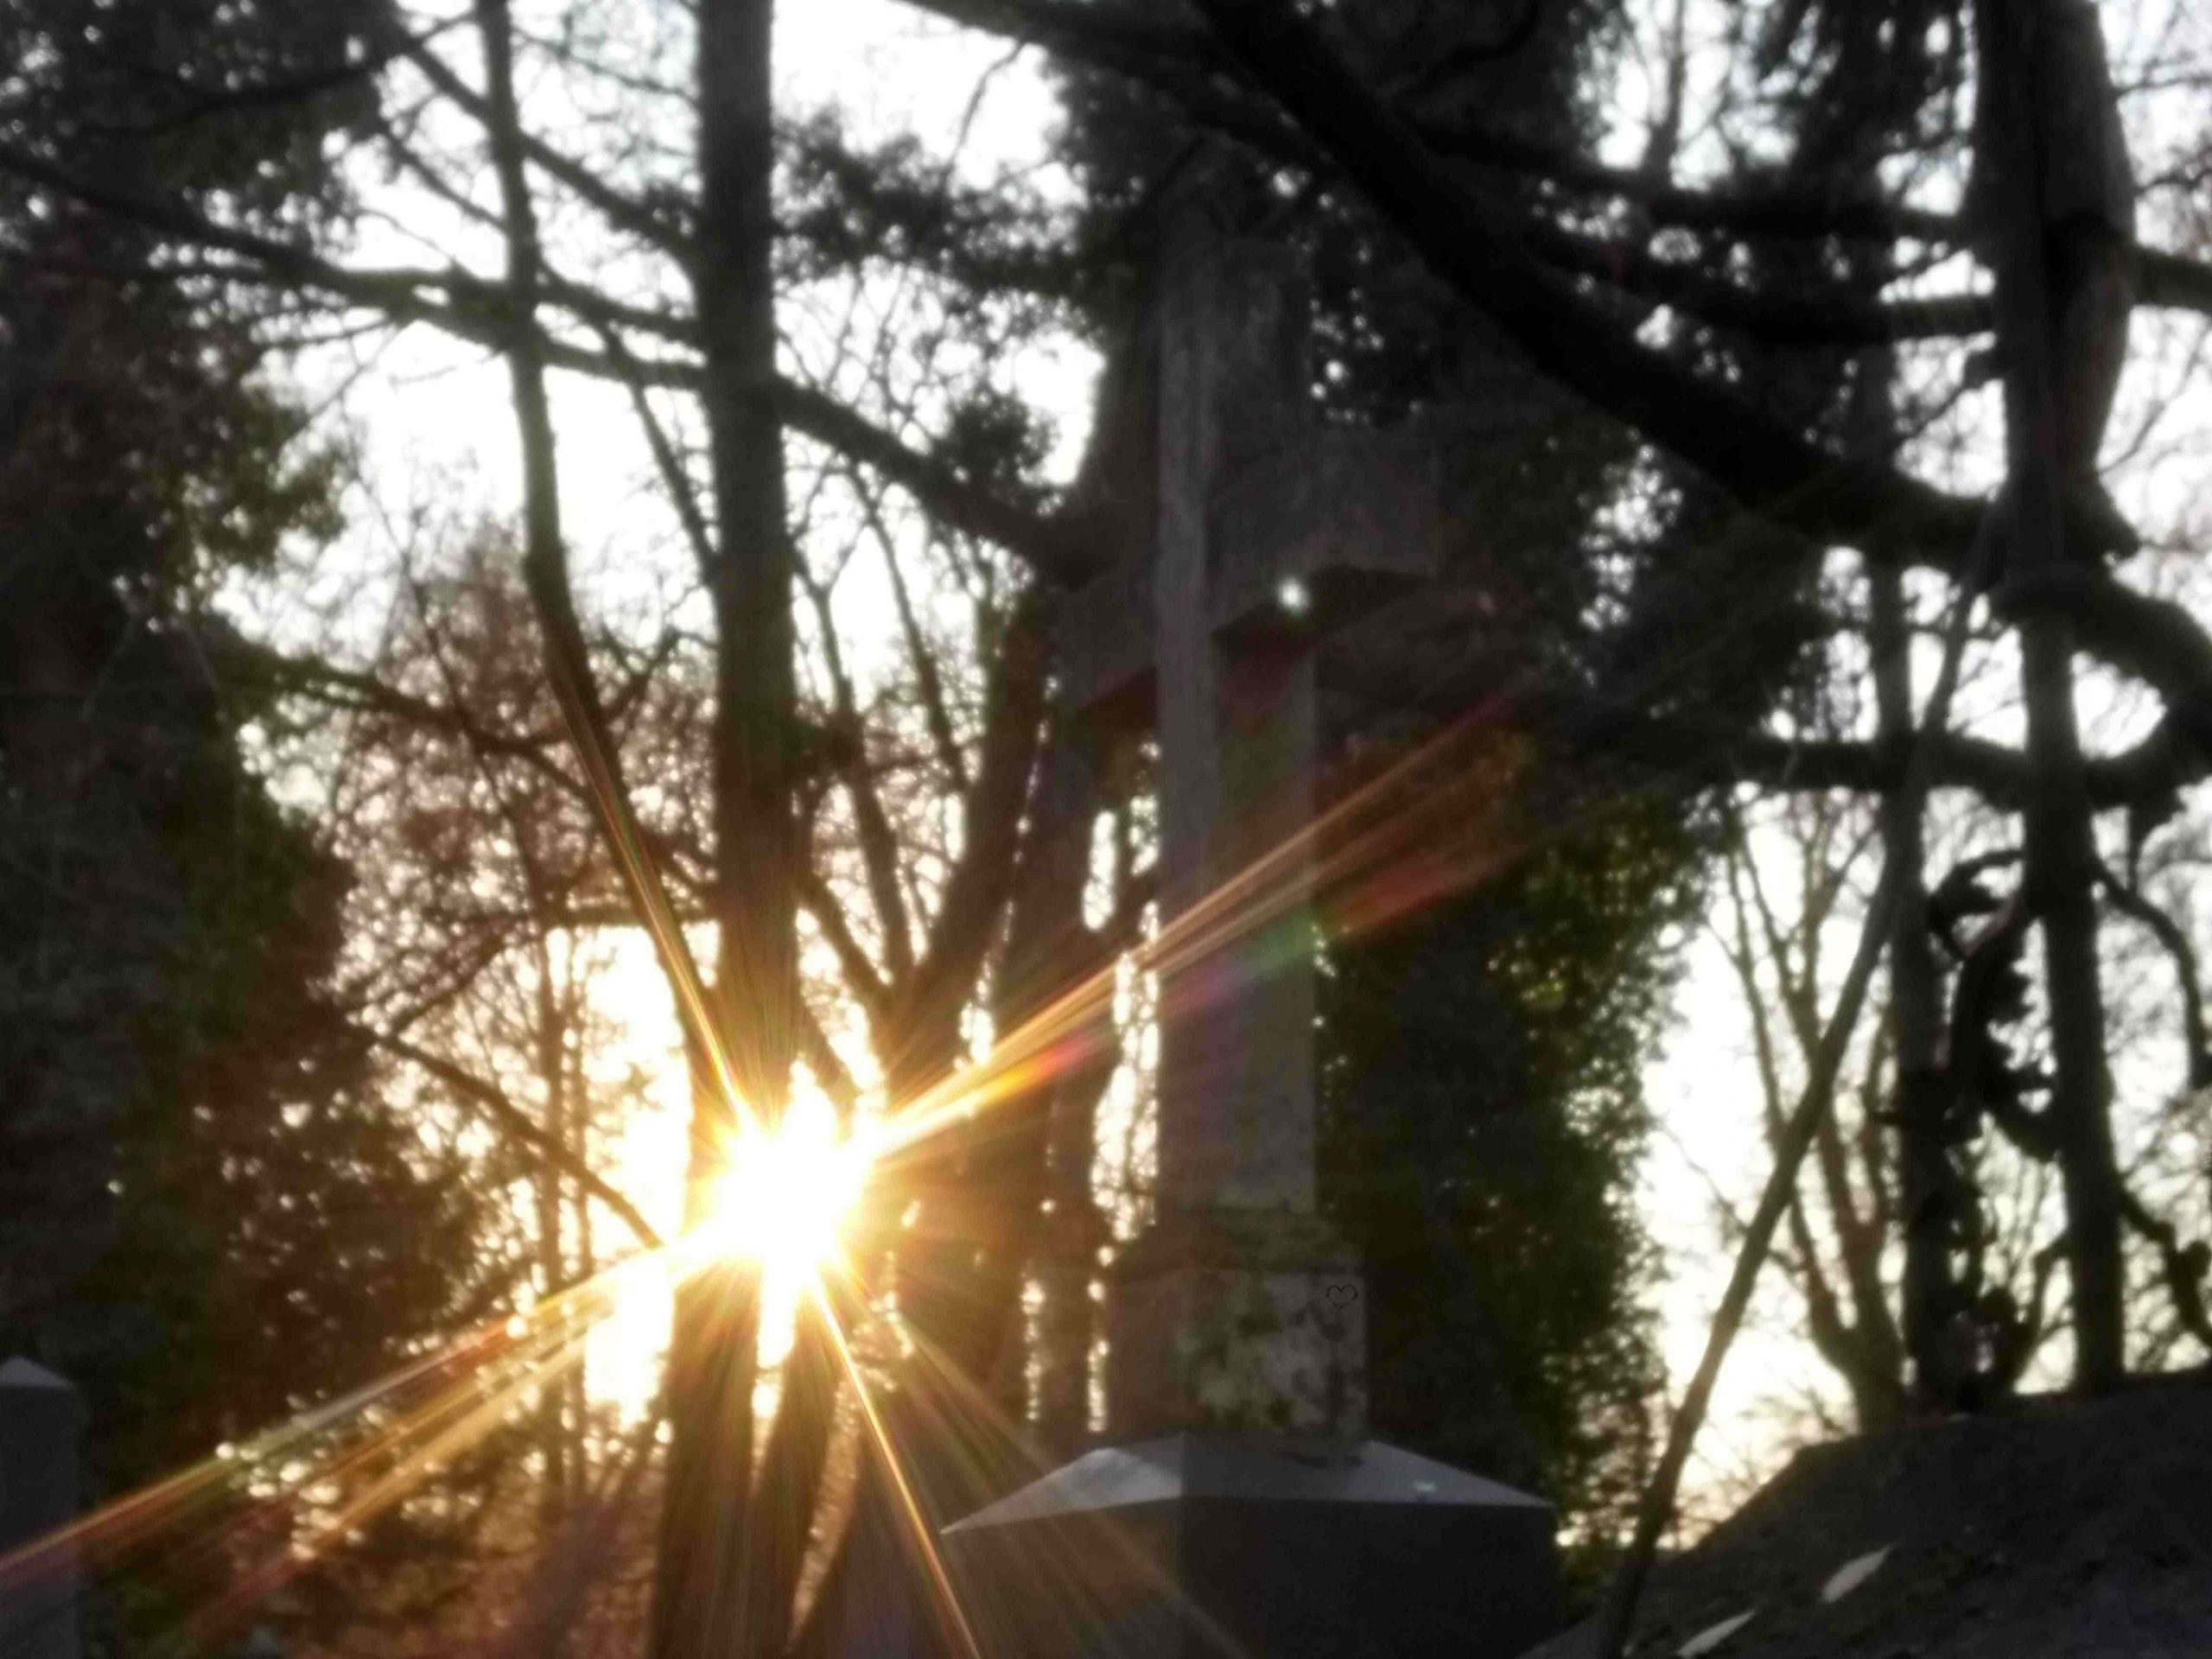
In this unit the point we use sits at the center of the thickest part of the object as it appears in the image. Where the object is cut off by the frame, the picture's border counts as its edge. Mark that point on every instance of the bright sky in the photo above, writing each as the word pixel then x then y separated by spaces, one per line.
pixel 439 428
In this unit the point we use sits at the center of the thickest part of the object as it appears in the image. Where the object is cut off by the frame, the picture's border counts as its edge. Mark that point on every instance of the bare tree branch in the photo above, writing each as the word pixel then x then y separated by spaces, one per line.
pixel 516 1122
pixel 872 824
pixel 2132 902
pixel 625 213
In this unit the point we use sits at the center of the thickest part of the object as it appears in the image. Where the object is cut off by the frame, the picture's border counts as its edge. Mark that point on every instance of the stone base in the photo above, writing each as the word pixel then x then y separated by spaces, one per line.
pixel 1257 1547
pixel 1238 1319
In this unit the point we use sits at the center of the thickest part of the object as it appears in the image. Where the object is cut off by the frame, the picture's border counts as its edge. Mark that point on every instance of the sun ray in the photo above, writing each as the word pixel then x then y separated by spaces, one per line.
pixel 948 1392
pixel 421 1392
pixel 947 1597
pixel 1348 853
pixel 705 1039
pixel 564 1350
pixel 786 1201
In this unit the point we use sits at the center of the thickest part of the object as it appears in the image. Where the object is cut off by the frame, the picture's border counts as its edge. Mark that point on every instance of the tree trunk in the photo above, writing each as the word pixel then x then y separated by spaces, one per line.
pixel 700 1577
pixel 793 1463
pixel 2060 866
pixel 755 727
pixel 1916 1024
pixel 2014 159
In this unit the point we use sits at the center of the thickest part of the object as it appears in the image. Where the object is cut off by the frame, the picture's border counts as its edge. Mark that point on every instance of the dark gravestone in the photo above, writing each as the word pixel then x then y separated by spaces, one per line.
pixel 1246 1512
pixel 39 1421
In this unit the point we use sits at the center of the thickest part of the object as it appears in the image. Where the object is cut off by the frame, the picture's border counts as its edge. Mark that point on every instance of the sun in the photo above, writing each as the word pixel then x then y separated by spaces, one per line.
pixel 783 1203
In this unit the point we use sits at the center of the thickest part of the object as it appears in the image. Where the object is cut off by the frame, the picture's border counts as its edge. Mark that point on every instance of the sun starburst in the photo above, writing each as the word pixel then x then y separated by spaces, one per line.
pixel 784 1200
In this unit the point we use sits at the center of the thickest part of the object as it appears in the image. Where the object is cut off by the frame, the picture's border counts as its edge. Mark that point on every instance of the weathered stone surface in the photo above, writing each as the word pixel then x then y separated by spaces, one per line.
pixel 1351 513
pixel 1236 1092
pixel 1235 729
pixel 1239 1320
pixel 1103 658
pixel 1267 526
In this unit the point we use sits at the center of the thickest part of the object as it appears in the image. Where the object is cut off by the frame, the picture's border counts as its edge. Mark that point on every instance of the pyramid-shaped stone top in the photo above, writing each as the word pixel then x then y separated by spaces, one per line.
pixel 20 1373
pixel 1252 1468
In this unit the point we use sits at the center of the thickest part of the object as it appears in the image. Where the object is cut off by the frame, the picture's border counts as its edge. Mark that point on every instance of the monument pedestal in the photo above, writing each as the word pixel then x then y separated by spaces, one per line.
pixel 1264 1526
pixel 1243 1545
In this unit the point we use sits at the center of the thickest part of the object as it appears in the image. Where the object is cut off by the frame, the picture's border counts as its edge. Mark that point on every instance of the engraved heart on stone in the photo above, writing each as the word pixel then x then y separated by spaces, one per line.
pixel 1343 1295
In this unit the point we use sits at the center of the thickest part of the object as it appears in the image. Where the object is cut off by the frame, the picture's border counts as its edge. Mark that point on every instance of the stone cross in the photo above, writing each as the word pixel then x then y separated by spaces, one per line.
pixel 1239 1309
pixel 1238 1506
pixel 40 1420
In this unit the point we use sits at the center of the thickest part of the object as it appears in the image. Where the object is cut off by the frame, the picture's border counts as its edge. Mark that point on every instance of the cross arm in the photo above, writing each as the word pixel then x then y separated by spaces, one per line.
pixel 1313 535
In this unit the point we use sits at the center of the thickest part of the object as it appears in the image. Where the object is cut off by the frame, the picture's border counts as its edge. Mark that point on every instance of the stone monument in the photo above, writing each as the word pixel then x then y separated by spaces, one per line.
pixel 41 1419
pixel 1237 1507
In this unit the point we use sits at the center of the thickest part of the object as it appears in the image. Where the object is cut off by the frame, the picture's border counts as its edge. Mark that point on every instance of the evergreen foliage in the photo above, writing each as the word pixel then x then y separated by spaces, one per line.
pixel 1484 1120
pixel 211 1216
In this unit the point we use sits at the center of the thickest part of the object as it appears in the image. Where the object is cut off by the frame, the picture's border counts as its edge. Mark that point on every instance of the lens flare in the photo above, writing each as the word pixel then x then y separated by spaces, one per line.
pixel 783 1203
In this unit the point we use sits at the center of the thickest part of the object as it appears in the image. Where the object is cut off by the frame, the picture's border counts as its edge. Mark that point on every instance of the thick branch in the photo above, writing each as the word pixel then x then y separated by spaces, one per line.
pixel 860 971
pixel 1465 239
pixel 2183 1265
pixel 1693 754
pixel 975 892
pixel 2132 902
pixel 1798 318
pixel 1185 65
pixel 879 844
